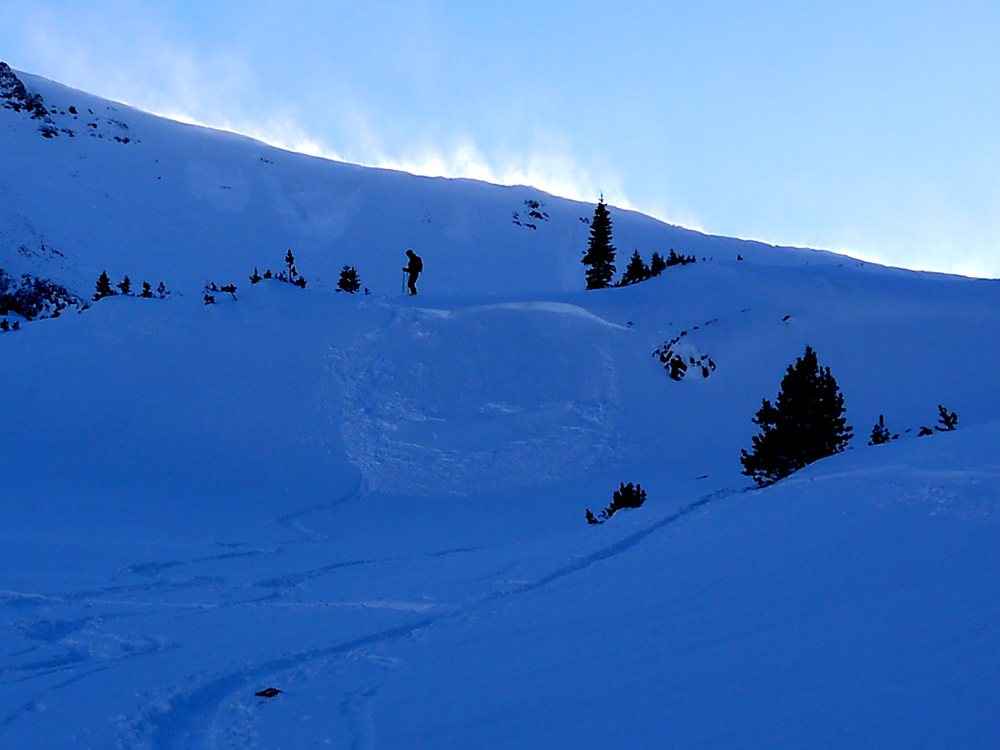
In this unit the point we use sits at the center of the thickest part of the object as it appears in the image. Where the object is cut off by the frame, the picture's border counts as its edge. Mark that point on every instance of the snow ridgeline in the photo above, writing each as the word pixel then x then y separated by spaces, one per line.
pixel 187 205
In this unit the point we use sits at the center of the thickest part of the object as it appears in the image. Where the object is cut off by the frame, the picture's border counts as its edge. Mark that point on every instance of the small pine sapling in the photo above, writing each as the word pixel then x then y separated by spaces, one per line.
pixel 125 285
pixel 880 433
pixel 349 281
pixel 292 276
pixel 147 290
pixel 947 421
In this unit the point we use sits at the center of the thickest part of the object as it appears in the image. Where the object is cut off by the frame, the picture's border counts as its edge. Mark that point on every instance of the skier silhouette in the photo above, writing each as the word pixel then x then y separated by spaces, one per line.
pixel 413 269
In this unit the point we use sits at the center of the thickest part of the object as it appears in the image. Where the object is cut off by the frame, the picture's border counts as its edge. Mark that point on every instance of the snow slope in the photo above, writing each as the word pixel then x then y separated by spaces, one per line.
pixel 375 504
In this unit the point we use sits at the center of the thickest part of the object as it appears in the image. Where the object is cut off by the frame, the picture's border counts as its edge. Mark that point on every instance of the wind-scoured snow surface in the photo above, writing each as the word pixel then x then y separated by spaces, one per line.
pixel 375 504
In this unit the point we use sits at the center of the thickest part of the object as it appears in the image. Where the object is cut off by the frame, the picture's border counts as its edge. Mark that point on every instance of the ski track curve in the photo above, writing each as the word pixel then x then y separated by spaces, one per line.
pixel 184 721
pixel 293 521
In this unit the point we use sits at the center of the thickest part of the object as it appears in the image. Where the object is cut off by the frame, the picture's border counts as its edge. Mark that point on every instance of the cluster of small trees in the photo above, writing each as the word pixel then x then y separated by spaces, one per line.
pixel 600 256
pixel 626 496
pixel 806 423
pixel 103 288
pixel 211 289
pixel 637 270
pixel 880 434
pixel 289 274
pixel 349 280
pixel 32 297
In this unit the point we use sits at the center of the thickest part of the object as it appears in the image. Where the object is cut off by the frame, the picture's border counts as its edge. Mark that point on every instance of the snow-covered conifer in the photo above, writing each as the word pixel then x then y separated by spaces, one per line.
pixel 805 423
pixel 600 255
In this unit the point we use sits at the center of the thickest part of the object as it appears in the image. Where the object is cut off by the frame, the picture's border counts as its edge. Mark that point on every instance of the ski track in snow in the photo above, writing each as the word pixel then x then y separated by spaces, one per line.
pixel 401 448
pixel 187 720
pixel 293 520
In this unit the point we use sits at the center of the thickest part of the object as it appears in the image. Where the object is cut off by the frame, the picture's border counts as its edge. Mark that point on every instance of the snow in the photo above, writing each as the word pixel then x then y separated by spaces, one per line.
pixel 375 503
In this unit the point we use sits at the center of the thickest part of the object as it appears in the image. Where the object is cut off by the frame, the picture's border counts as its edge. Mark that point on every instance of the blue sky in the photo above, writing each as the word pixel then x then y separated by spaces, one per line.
pixel 865 127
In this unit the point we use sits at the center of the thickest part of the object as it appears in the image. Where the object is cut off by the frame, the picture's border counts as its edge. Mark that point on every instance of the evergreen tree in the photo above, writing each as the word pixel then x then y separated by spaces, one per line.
pixel 947 421
pixel 804 424
pixel 161 291
pixel 103 288
pixel 600 255
pixel 147 290
pixel 880 433
pixel 635 271
pixel 656 265
pixel 125 285
pixel 349 281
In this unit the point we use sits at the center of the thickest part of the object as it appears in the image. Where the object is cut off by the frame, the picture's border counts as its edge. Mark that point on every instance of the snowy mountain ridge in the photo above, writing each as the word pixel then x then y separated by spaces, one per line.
pixel 135 194
pixel 298 518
